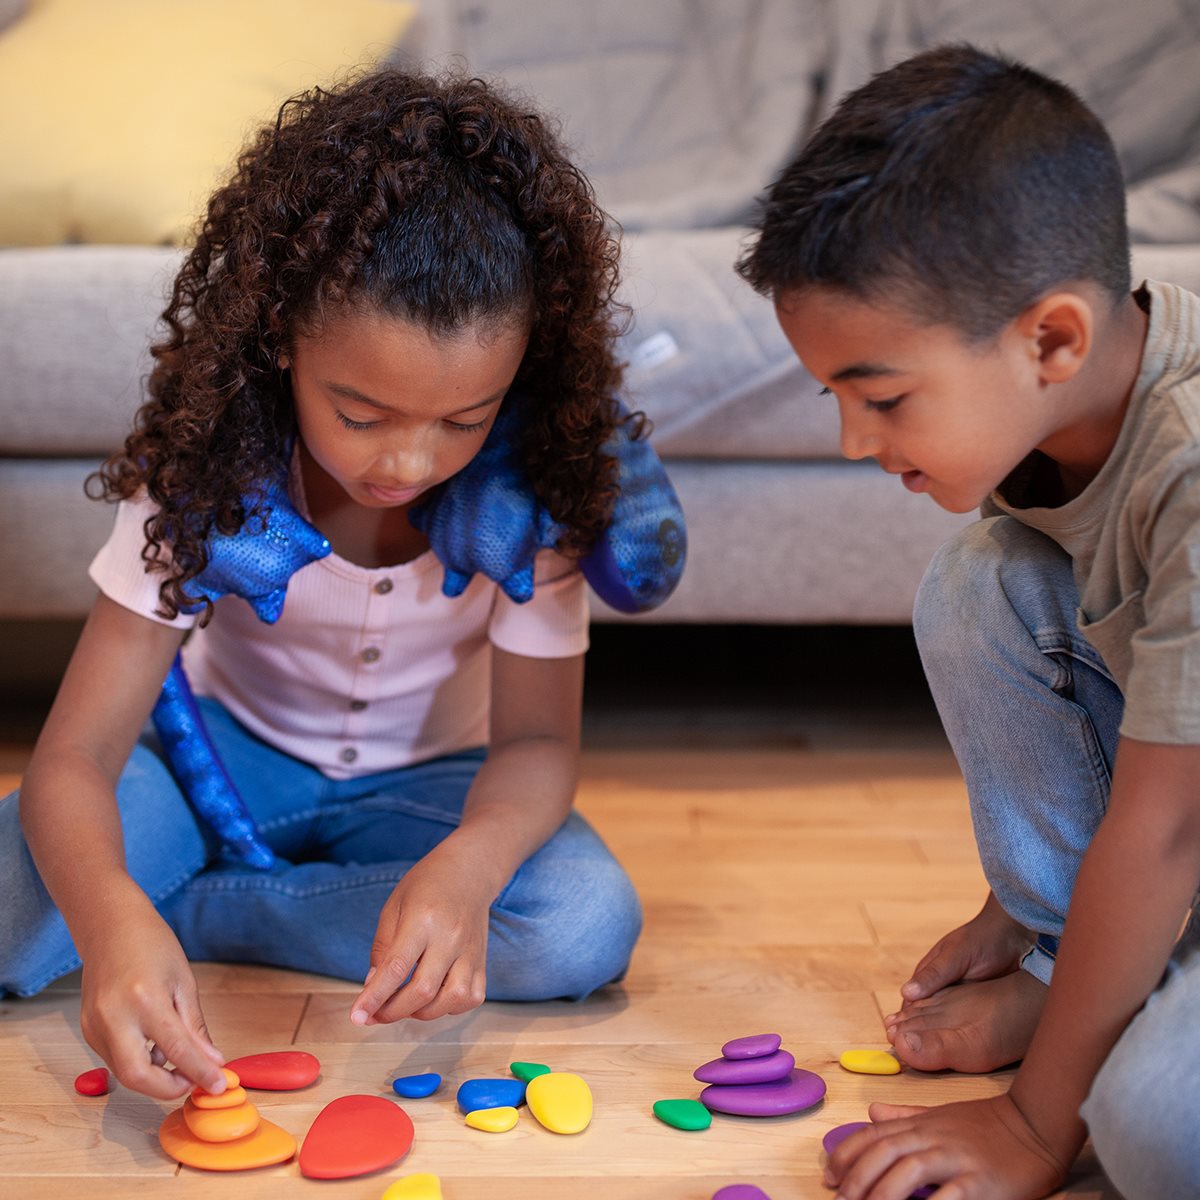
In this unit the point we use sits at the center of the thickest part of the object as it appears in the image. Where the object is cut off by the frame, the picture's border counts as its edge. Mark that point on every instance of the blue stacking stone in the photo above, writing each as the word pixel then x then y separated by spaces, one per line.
pixel 491 1093
pixel 413 1087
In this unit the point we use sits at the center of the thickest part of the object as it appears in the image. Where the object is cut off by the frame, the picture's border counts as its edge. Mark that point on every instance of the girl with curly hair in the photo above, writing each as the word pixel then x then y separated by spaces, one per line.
pixel 393 263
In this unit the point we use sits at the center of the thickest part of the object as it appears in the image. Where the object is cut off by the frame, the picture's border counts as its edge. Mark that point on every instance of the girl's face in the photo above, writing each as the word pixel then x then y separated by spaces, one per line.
pixel 388 409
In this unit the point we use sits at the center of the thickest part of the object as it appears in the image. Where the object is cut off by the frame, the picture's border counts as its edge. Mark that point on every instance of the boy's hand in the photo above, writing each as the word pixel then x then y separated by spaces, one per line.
pixel 981 1150
pixel 433 933
pixel 988 945
pixel 140 1011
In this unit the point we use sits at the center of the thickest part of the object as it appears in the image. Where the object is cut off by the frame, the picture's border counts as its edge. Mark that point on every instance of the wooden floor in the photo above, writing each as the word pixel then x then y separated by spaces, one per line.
pixel 790 881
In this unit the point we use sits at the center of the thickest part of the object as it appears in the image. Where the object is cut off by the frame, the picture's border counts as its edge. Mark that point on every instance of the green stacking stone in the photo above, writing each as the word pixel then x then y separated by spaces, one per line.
pixel 683 1114
pixel 528 1071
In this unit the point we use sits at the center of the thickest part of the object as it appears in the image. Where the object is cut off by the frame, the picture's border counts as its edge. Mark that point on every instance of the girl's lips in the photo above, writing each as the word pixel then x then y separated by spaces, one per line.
pixel 915 481
pixel 393 495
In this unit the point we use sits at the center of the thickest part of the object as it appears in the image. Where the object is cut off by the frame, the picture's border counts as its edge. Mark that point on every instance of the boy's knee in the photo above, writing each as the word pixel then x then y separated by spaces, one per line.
pixel 1141 1112
pixel 962 575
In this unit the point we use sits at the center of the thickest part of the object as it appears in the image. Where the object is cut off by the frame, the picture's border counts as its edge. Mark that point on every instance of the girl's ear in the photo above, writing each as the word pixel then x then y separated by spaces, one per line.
pixel 1059 330
pixel 282 360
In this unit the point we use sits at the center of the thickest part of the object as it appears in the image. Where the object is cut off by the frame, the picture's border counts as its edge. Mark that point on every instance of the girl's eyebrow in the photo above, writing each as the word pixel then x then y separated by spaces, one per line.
pixel 863 370
pixel 351 393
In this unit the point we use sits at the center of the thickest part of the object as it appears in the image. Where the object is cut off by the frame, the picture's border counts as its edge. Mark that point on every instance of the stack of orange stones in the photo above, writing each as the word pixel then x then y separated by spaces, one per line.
pixel 225 1132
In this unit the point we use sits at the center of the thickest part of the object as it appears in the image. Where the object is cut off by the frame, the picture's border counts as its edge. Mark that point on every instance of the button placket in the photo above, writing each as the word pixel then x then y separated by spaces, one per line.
pixel 373 625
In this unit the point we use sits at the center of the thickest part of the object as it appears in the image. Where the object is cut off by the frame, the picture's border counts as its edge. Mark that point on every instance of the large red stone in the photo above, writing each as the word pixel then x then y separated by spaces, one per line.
pixel 354 1135
pixel 276 1071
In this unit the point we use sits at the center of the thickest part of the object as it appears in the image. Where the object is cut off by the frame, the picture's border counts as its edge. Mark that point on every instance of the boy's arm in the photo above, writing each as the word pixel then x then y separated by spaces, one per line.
pixel 1133 891
pixel 434 925
pixel 1131 896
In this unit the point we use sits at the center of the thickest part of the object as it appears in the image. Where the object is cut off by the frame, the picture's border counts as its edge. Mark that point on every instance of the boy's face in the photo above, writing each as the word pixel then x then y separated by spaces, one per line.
pixel 950 417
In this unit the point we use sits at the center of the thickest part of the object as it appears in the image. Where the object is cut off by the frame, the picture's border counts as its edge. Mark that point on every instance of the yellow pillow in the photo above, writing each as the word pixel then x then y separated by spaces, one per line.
pixel 119 117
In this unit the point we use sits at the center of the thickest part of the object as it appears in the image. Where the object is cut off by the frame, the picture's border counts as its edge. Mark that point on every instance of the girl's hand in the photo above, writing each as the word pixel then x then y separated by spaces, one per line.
pixel 980 1150
pixel 432 932
pixel 141 1011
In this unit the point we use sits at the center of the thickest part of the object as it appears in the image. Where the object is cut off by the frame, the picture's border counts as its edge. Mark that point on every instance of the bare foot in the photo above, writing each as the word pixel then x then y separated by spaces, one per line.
pixel 971 1027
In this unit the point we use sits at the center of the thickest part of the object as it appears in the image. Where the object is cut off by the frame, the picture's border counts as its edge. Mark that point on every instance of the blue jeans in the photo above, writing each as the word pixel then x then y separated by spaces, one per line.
pixel 1033 715
pixel 564 925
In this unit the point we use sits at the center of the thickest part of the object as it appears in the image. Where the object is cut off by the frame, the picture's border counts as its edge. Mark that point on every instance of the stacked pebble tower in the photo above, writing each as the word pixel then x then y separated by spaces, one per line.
pixel 224 1132
pixel 755 1078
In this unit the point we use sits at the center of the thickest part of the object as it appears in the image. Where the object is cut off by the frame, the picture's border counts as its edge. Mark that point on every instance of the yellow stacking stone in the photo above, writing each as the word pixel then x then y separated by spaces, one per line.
pixel 493 1120
pixel 415 1187
pixel 562 1102
pixel 220 1124
pixel 870 1062
pixel 230 1098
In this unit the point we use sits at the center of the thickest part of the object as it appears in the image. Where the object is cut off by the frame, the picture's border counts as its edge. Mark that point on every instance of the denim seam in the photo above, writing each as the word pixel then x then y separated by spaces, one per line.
pixel 246 883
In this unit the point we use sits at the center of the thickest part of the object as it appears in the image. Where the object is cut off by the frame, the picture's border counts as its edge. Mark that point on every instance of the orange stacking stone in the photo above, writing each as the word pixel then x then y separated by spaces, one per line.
pixel 219 1134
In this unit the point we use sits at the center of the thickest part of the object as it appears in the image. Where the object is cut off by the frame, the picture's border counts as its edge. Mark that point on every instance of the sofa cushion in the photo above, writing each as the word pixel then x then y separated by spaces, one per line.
pixel 132 110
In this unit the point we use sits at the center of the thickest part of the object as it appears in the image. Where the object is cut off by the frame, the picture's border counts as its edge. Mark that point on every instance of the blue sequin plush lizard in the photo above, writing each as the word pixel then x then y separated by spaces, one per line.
pixel 485 520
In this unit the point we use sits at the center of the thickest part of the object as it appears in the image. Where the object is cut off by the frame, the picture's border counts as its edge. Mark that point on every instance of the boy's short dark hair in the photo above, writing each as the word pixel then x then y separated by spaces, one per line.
pixel 959 184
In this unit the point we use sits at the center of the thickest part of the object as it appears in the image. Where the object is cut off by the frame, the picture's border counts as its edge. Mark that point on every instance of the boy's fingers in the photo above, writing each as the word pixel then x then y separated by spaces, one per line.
pixel 191 1056
pixel 421 991
pixel 383 980
pixel 879 1111
pixel 187 1002
pixel 461 991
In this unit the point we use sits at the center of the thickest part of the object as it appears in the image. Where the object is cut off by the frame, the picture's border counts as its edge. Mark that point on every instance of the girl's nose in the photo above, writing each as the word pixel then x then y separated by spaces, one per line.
pixel 859 443
pixel 406 463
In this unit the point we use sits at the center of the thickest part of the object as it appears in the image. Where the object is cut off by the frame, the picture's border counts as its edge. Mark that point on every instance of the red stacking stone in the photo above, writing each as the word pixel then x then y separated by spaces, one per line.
pixel 276 1071
pixel 95 1082
pixel 354 1135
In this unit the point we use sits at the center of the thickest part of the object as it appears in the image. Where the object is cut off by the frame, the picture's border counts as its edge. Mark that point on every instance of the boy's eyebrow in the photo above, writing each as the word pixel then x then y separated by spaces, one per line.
pixel 864 370
pixel 344 389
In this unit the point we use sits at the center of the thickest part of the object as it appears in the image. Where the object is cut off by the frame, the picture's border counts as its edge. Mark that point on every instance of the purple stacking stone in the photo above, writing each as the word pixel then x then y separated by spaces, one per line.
pixel 836 1136
pixel 765 1069
pixel 799 1089
pixel 740 1191
pixel 754 1046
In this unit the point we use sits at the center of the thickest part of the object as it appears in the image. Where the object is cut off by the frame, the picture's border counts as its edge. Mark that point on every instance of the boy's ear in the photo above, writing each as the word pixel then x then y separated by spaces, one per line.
pixel 1059 330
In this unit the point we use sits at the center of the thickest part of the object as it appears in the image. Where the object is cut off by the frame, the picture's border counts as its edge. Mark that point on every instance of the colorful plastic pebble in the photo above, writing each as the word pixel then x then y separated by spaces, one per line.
pixel 268 1144
pixel 220 1124
pixel 799 1090
pixel 491 1093
pixel 492 1120
pixel 764 1069
pixel 415 1187
pixel 229 1098
pixel 353 1135
pixel 754 1046
pixel 96 1082
pixel 527 1070
pixel 562 1102
pixel 415 1087
pixel 683 1114
pixel 277 1070
pixel 740 1191
pixel 870 1062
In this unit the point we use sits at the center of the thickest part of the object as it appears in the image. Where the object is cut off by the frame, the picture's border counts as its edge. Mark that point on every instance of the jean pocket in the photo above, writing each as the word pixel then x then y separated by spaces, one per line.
pixel 1112 635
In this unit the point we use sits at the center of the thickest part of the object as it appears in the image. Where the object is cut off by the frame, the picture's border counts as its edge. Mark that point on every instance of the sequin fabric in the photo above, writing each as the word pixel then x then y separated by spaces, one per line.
pixel 487 520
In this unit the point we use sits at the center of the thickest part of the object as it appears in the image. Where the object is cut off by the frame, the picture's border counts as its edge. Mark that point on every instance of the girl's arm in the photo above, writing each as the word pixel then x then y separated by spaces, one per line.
pixel 436 920
pixel 137 985
pixel 1131 896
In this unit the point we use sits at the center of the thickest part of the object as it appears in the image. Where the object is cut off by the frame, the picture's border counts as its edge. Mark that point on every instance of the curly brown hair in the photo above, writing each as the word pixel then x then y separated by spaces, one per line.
pixel 439 200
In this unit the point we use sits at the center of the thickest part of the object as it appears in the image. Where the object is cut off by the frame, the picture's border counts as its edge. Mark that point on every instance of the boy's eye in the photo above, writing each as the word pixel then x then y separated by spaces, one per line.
pixel 349 424
pixel 883 405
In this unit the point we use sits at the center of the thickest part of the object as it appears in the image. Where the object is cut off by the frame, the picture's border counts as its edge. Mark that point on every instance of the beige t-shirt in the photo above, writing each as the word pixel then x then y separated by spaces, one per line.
pixel 1134 532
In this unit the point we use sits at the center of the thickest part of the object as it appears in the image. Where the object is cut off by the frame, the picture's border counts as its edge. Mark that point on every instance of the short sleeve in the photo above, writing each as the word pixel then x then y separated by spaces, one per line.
pixel 119 571
pixel 554 624
pixel 1162 695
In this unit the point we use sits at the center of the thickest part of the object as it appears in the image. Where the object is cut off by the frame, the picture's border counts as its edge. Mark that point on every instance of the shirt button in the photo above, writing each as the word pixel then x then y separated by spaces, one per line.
pixel 371 654
pixel 357 705
pixel 348 755
pixel 384 586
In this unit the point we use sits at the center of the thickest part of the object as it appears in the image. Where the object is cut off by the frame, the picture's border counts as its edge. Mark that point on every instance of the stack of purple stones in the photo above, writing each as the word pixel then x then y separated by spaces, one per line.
pixel 755 1078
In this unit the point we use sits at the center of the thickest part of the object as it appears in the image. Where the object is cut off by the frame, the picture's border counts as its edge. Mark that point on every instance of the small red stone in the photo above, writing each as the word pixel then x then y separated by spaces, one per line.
pixel 276 1071
pixel 95 1082
pixel 354 1135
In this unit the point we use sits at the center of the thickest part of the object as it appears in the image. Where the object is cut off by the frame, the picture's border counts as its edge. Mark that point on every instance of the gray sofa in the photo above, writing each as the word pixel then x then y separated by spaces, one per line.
pixel 681 111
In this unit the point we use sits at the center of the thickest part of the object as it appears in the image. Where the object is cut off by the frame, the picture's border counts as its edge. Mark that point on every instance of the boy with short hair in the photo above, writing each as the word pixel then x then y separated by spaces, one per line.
pixel 949 256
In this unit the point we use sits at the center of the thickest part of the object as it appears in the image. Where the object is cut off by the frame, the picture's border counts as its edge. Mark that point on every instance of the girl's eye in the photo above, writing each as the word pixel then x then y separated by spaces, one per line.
pixel 467 428
pixel 883 405
pixel 349 424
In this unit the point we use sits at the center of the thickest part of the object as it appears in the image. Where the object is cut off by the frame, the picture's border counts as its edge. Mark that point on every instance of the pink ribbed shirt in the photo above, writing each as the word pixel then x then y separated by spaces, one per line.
pixel 368 668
